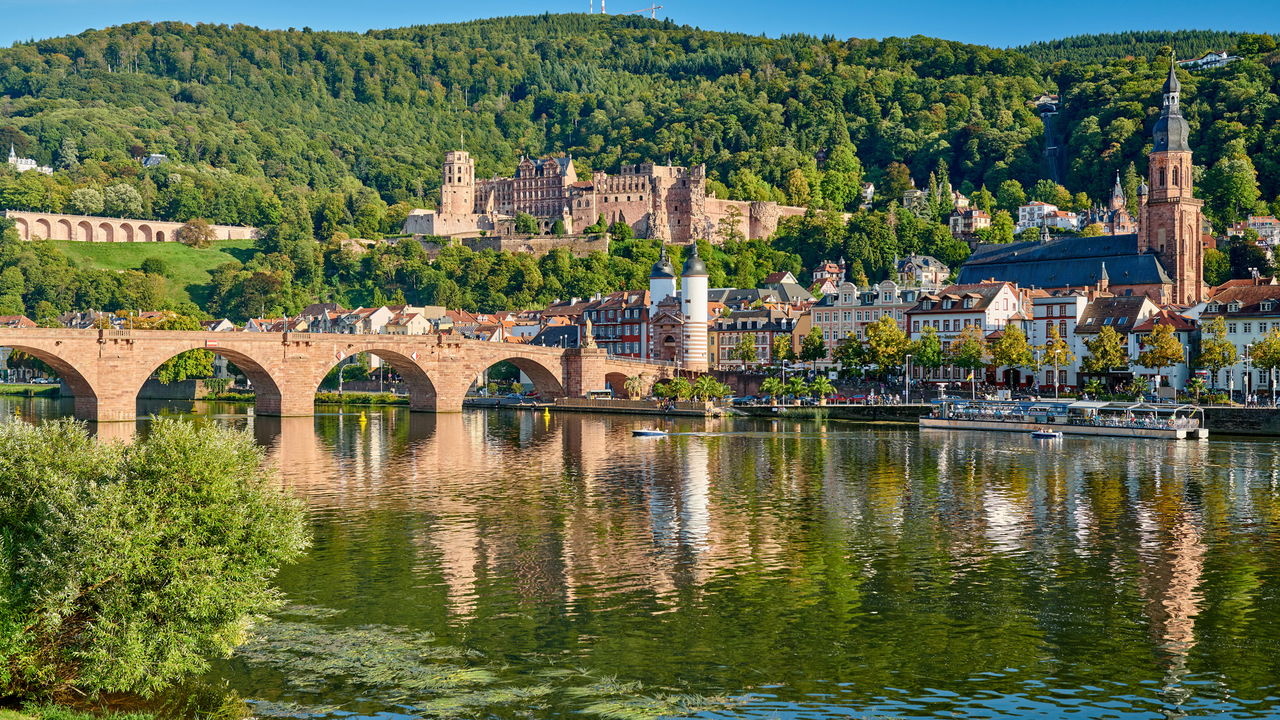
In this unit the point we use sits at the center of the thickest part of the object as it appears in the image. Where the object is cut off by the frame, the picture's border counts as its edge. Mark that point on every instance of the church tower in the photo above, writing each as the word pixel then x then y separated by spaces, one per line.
pixel 458 189
pixel 1171 219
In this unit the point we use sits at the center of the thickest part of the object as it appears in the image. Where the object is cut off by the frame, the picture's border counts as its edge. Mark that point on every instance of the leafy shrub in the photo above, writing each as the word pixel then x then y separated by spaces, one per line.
pixel 124 569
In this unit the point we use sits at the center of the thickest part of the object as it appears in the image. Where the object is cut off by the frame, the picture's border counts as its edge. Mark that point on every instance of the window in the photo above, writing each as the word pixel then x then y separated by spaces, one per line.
pixel 1212 307
pixel 1231 327
pixel 948 304
pixel 1266 306
pixel 1248 327
pixel 915 326
pixel 1122 320
pixel 946 325
pixel 968 302
pixel 1088 321
pixel 1234 306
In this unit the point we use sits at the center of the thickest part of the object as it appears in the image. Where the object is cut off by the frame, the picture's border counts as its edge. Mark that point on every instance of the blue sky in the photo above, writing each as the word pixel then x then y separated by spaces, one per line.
pixel 989 22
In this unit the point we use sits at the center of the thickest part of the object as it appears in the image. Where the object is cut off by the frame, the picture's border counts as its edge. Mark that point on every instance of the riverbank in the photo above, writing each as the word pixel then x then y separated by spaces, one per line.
pixel 29 390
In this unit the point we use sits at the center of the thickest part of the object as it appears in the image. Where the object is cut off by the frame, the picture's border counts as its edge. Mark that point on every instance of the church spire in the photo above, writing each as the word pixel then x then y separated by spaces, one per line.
pixel 1171 130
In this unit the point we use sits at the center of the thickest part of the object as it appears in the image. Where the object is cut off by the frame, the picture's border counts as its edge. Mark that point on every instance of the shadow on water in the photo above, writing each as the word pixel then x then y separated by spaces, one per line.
pixel 511 564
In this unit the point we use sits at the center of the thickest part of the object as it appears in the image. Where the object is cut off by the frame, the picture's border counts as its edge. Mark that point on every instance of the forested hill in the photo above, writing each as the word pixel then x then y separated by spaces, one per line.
pixel 312 108
pixel 1140 43
pixel 320 136
pixel 331 110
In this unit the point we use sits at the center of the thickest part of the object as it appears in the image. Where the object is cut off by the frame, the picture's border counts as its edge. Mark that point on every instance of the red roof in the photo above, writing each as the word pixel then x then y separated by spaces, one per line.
pixel 1164 317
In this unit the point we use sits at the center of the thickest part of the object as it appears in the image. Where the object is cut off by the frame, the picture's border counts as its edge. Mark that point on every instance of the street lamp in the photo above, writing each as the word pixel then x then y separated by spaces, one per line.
pixel 1248 349
pixel 906 382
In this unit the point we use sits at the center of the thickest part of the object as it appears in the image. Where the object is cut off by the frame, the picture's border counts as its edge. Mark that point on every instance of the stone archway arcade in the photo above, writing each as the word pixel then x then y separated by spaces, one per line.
pixel 83 228
pixel 105 369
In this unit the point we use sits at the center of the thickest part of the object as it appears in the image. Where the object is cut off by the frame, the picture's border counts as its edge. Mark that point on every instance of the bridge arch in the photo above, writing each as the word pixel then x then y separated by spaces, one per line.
pixel 126 232
pixel 43 229
pixel 84 231
pixel 24 228
pixel 159 236
pixel 62 230
pixel 617 382
pixel 82 389
pixel 268 395
pixel 544 373
pixel 144 233
pixel 108 233
pixel 423 395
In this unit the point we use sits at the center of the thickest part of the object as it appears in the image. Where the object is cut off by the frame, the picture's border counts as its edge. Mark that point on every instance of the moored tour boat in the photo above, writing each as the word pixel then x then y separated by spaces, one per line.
pixel 1055 418
pixel 647 432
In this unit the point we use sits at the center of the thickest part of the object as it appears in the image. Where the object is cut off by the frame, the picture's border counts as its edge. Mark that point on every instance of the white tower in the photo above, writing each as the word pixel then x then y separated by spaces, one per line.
pixel 662 282
pixel 693 303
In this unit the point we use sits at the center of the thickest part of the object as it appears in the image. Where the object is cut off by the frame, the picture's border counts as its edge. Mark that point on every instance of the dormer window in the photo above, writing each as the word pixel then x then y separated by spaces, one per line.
pixel 1212 307
pixel 948 304
pixel 1266 305
pixel 926 305
pixel 968 302
pixel 1234 306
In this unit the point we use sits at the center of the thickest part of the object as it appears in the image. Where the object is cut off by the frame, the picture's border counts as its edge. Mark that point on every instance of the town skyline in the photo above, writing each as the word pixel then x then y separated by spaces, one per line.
pixel 994 23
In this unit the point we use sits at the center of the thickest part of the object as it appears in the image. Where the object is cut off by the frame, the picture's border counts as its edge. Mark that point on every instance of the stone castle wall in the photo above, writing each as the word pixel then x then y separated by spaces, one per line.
pixel 536 245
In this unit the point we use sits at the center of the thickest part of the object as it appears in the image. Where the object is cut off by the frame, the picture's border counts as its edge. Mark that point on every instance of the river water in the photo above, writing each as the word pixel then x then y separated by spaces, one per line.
pixel 509 564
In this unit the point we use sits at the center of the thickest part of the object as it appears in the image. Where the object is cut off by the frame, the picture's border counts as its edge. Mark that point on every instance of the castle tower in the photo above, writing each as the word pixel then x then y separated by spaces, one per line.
pixel 458 189
pixel 693 303
pixel 1171 217
pixel 1117 195
pixel 662 282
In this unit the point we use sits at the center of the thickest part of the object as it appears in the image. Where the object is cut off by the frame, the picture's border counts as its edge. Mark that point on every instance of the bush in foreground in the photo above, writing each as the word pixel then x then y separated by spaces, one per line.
pixel 124 569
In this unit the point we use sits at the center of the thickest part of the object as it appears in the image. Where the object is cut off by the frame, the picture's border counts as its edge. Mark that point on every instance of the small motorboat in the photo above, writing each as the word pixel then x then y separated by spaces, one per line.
pixel 647 432
pixel 1045 434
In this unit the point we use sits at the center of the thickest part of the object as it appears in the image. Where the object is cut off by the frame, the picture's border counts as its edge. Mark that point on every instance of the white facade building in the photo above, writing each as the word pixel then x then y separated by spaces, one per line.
pixel 25 164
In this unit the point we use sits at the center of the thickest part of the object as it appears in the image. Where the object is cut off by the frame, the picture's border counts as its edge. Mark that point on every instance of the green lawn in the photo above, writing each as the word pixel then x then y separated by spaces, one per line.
pixel 187 268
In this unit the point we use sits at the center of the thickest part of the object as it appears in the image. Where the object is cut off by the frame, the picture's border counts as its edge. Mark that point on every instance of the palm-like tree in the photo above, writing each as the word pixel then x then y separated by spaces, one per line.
pixel 1197 386
pixel 821 387
pixel 772 387
pixel 795 387
pixel 634 386
pixel 707 388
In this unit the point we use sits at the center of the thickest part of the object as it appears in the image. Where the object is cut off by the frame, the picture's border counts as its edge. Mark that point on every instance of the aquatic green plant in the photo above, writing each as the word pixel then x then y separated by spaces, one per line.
pixel 396 665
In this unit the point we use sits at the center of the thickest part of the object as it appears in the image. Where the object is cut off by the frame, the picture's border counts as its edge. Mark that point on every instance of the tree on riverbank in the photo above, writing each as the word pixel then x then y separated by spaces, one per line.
pixel 124 569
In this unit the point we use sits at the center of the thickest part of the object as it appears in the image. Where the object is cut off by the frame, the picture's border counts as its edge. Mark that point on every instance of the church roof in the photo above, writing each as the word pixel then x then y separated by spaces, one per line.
pixel 1065 262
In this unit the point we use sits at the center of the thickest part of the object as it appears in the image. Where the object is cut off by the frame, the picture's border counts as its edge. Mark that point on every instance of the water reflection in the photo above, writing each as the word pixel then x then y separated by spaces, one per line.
pixel 802 569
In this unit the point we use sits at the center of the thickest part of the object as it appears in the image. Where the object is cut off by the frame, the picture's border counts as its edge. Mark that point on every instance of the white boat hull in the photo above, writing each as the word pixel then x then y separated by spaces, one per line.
pixel 1097 430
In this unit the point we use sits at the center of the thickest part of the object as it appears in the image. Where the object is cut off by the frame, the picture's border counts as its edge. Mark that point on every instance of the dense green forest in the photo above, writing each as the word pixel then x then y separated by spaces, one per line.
pixel 319 136
pixel 1104 47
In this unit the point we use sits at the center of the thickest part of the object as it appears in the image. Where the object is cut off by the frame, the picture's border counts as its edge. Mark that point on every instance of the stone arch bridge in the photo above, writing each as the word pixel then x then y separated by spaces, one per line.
pixel 105 369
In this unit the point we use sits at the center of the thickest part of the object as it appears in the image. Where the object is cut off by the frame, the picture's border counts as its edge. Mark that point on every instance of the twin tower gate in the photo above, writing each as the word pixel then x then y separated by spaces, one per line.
pixel 105 369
